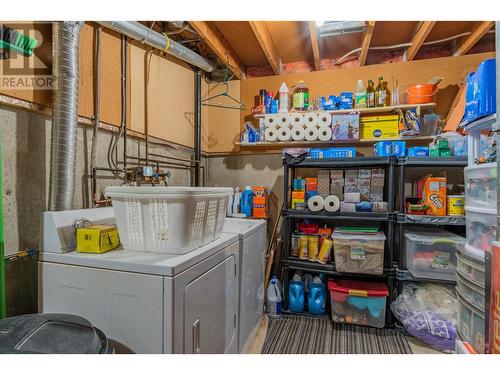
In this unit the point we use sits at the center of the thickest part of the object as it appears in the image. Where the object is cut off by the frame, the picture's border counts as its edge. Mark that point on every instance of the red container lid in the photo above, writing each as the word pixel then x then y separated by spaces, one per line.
pixel 358 288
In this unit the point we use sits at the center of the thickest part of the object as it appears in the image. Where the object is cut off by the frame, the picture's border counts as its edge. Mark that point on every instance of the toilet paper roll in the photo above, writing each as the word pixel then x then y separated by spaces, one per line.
pixel 271 134
pixel 298 133
pixel 270 120
pixel 315 203
pixel 284 134
pixel 311 119
pixel 311 134
pixel 296 119
pixel 331 203
pixel 283 120
pixel 324 119
pixel 324 133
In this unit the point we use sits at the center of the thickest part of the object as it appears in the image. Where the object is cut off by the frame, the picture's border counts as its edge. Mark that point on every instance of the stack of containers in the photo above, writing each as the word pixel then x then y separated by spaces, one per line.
pixel 480 209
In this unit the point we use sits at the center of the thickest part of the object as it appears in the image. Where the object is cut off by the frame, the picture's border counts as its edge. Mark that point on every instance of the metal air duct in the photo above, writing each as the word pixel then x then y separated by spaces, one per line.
pixel 137 31
pixel 64 115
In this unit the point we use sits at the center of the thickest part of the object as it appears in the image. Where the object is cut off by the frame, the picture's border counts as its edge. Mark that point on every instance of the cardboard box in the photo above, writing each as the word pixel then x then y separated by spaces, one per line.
pixel 376 197
pixel 347 207
pixel 345 127
pixel 351 173
pixel 336 173
pixel 351 181
pixel 260 202
pixel 351 189
pixel 378 173
pixel 364 173
pixel 352 197
pixel 380 206
pixel 337 182
pixel 380 127
pixel 97 239
pixel 434 195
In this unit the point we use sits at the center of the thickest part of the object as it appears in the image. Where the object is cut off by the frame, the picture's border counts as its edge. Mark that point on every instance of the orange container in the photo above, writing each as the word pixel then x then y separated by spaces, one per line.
pixel 434 195
pixel 421 94
pixel 259 202
pixel 494 345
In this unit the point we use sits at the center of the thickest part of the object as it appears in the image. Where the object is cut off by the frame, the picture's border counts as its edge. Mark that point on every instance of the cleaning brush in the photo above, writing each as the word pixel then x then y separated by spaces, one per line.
pixel 11 40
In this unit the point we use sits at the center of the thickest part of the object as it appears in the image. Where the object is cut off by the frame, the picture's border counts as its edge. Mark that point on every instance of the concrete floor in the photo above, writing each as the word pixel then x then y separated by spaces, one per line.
pixel 417 346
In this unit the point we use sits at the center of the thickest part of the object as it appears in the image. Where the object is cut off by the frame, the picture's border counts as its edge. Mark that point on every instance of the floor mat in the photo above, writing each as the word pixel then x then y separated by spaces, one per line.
pixel 308 335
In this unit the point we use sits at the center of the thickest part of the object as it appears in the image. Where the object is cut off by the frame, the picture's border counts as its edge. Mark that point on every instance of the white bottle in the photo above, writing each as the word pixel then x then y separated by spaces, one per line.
pixel 236 202
pixel 284 103
pixel 360 96
pixel 273 305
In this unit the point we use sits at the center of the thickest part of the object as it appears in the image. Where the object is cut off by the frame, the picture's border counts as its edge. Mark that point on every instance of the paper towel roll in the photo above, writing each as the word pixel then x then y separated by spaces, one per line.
pixel 296 119
pixel 331 203
pixel 311 134
pixel 324 119
pixel 271 134
pixel 283 120
pixel 284 134
pixel 271 120
pixel 311 119
pixel 298 133
pixel 315 203
pixel 325 133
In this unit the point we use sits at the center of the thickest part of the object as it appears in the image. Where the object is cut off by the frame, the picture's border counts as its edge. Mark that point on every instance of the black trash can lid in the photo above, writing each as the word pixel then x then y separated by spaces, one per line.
pixel 50 334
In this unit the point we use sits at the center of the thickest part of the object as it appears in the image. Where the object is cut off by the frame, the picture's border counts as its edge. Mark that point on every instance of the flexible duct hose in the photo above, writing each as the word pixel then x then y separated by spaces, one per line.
pixel 64 116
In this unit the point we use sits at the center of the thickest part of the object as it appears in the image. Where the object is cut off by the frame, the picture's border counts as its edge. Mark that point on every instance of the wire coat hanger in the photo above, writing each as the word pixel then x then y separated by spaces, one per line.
pixel 239 105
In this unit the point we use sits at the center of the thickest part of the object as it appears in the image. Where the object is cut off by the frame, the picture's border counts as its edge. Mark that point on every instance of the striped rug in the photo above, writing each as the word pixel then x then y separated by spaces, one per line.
pixel 309 335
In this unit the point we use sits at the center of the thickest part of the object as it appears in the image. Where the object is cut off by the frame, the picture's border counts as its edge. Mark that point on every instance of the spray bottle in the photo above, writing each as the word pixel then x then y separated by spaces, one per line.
pixel 284 98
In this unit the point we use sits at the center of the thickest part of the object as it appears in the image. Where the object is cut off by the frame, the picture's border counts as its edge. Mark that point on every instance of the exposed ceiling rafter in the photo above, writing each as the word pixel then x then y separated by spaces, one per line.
pixel 477 33
pixel 365 44
pixel 219 46
pixel 418 40
pixel 314 44
pixel 266 43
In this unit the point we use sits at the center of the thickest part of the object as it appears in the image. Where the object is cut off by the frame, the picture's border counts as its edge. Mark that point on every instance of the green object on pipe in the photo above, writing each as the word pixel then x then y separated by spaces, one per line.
pixel 3 298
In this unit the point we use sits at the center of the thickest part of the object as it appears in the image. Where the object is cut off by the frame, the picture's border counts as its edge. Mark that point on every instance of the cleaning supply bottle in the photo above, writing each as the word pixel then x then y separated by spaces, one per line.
pixel 268 100
pixel 296 294
pixel 273 305
pixel 284 98
pixel 360 98
pixel 370 94
pixel 236 201
pixel 247 201
pixel 316 301
pixel 300 96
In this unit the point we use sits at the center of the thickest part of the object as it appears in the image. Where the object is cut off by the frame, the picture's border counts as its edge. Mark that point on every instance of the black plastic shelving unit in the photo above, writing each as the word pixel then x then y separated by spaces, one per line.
pixel 385 219
pixel 402 219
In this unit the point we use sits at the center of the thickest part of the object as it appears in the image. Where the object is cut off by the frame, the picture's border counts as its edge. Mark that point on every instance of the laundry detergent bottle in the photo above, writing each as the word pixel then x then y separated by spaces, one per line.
pixel 247 201
pixel 273 305
pixel 317 297
pixel 296 294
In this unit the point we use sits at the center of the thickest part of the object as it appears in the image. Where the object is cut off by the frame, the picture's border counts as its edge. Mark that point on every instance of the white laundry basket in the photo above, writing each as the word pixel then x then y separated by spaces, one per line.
pixel 172 220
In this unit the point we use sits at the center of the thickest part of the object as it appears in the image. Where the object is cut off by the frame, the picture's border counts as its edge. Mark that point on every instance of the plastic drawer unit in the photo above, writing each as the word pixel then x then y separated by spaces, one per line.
pixel 471 324
pixel 481 226
pixel 471 292
pixel 432 254
pixel 358 302
pixel 481 185
pixel 357 253
pixel 470 268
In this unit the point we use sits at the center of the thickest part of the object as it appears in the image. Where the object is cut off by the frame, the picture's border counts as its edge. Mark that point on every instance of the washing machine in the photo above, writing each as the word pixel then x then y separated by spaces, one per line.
pixel 150 302
pixel 252 236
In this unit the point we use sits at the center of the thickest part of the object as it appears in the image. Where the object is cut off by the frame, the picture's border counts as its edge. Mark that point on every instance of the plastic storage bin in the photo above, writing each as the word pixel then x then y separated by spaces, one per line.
pixel 172 220
pixel 470 268
pixel 481 227
pixel 471 292
pixel 471 324
pixel 432 255
pixel 358 302
pixel 356 253
pixel 481 186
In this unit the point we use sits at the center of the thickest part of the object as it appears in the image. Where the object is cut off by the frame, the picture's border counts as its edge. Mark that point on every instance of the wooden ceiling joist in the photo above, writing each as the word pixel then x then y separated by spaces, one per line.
pixel 314 44
pixel 219 46
pixel 266 43
pixel 365 44
pixel 477 33
pixel 418 39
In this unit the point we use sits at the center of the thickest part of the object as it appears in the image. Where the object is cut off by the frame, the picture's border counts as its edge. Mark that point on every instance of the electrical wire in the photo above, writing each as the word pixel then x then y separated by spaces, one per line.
pixel 403 45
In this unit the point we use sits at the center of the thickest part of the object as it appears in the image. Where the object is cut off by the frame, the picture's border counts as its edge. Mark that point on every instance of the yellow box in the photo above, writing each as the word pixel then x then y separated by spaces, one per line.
pixel 379 127
pixel 97 239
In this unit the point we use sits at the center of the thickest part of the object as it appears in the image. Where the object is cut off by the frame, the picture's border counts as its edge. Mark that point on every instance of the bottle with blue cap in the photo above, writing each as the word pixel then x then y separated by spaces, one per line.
pixel 274 300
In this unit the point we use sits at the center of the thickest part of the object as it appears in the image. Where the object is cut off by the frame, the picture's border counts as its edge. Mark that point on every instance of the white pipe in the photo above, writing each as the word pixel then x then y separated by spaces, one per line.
pixel 404 45
pixel 137 31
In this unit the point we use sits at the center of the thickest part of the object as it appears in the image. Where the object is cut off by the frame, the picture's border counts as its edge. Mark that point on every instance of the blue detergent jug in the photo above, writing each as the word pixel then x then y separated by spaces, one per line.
pixel 296 294
pixel 247 201
pixel 317 297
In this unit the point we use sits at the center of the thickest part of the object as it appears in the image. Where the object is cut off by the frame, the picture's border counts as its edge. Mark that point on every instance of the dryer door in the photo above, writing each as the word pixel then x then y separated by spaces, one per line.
pixel 207 305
